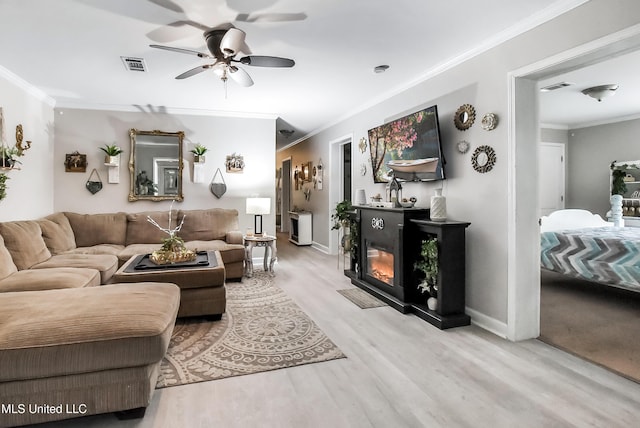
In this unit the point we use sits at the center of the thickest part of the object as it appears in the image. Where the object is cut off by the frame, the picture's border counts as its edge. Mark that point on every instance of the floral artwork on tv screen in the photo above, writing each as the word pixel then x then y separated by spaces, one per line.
pixel 408 148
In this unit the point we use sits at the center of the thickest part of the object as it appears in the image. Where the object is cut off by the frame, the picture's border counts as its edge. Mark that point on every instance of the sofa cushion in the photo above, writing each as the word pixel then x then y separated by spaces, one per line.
pixel 7 266
pixel 94 229
pixel 134 249
pixel 206 225
pixel 49 279
pixel 85 330
pixel 104 263
pixel 57 233
pixel 112 249
pixel 24 241
pixel 141 231
pixel 230 252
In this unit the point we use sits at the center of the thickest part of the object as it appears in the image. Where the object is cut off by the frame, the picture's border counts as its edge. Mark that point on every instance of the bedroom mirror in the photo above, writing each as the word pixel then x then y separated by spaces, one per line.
pixel 155 166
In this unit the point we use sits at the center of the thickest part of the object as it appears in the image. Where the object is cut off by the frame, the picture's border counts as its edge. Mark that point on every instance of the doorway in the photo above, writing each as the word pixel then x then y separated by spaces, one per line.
pixel 523 319
pixel 340 181
pixel 551 173
pixel 284 195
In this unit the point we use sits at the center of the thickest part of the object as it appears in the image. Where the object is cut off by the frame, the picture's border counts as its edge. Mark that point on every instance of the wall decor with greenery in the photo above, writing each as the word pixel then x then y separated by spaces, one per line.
pixel 3 185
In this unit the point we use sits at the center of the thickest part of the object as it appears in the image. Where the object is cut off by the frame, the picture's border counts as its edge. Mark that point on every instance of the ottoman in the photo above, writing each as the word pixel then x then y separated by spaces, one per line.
pixel 202 290
pixel 73 352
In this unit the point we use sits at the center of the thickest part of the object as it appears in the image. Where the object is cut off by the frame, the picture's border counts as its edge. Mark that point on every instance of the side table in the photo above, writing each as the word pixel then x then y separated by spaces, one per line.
pixel 269 244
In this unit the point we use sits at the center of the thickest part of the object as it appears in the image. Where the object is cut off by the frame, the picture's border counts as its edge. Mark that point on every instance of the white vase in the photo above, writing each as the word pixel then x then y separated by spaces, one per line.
pixel 616 210
pixel 432 303
pixel 438 206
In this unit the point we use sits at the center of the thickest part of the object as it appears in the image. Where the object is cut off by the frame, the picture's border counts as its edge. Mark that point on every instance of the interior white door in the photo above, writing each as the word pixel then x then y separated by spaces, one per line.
pixel 551 173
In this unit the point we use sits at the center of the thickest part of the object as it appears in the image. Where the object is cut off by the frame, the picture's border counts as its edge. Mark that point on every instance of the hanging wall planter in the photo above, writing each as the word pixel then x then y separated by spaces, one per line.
pixel 3 185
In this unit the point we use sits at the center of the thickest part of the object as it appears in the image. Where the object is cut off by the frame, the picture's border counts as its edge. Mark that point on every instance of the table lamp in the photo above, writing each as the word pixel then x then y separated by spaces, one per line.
pixel 258 206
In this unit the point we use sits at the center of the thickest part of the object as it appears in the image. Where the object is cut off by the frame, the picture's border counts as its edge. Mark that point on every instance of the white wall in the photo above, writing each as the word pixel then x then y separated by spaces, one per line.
pixel 487 200
pixel 87 130
pixel 30 190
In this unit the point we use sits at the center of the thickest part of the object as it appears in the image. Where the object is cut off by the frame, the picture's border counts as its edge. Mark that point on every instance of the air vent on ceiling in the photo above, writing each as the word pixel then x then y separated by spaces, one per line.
pixel 555 86
pixel 134 64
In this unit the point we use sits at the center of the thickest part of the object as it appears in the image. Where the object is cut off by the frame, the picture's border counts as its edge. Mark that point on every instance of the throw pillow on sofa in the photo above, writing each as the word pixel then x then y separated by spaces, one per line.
pixel 7 266
pixel 57 233
pixel 24 241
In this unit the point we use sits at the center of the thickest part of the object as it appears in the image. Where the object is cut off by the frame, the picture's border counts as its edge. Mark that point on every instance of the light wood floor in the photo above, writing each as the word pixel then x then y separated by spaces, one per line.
pixel 399 372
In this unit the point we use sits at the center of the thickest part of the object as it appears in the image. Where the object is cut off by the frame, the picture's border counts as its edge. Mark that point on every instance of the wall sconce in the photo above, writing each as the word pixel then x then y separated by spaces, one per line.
pixel 258 207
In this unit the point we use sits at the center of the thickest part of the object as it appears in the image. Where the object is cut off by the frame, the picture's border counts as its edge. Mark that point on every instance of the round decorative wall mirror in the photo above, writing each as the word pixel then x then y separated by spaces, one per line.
pixel 483 159
pixel 464 117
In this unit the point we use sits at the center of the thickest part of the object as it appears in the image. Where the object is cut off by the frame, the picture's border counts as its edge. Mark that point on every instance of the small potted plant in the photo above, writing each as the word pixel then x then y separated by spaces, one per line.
pixel 198 153
pixel 112 154
pixel 429 268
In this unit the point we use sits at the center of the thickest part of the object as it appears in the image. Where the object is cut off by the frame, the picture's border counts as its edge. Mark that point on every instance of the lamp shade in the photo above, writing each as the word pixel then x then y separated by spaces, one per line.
pixel 258 205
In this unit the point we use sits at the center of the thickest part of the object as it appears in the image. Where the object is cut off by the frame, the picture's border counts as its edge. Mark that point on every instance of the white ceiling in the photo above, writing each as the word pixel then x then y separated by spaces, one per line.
pixel 71 49
pixel 569 108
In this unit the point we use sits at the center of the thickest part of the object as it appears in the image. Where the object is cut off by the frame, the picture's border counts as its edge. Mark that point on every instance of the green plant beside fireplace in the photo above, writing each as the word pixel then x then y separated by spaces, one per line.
pixel 428 266
pixel 343 218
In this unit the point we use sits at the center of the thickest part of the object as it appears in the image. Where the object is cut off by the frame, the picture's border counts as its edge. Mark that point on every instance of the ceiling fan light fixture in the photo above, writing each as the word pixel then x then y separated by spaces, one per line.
pixel 232 42
pixel 601 91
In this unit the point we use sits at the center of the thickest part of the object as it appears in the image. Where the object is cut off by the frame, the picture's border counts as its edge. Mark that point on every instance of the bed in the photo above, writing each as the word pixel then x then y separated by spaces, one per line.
pixel 582 245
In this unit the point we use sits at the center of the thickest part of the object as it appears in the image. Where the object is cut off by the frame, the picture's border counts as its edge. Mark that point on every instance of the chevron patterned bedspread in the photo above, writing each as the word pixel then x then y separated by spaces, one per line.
pixel 602 254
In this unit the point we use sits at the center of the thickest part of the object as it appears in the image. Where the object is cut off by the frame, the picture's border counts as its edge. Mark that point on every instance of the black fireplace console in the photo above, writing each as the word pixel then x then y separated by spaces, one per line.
pixel 389 245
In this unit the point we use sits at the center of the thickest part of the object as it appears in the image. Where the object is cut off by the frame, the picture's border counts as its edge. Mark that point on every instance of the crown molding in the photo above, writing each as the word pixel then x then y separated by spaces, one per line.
pixel 68 104
pixel 27 87
pixel 610 121
pixel 519 28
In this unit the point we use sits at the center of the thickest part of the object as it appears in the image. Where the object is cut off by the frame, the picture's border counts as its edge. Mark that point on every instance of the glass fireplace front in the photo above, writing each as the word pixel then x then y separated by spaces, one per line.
pixel 380 264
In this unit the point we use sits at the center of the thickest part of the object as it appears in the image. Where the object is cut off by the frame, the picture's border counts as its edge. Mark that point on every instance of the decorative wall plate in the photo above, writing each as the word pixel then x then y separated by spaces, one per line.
pixel 483 159
pixel 463 146
pixel 464 117
pixel 489 121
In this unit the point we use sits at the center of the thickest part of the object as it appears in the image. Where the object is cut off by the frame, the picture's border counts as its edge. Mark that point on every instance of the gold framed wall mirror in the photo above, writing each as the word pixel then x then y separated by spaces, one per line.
pixel 155 165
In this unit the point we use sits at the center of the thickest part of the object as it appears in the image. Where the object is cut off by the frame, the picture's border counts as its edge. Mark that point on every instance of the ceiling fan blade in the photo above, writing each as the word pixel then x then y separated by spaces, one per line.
pixel 232 42
pixel 266 61
pixel 181 50
pixel 175 31
pixel 240 76
pixel 168 4
pixel 193 71
pixel 271 17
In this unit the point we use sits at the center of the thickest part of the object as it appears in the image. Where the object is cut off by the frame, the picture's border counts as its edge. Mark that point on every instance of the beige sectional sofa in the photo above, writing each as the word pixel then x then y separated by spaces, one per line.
pixel 68 353
pixel 64 339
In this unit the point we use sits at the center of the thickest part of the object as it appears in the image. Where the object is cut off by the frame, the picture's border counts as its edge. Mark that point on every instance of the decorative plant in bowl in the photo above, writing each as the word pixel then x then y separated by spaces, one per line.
pixel 173 249
pixel 111 153
pixel 198 153
pixel 429 267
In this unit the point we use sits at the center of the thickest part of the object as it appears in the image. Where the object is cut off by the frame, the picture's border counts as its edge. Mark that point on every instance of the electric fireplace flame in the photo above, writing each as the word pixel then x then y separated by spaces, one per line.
pixel 380 265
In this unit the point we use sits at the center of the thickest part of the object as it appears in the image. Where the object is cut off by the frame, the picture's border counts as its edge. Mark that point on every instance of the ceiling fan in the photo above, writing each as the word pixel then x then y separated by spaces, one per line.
pixel 224 45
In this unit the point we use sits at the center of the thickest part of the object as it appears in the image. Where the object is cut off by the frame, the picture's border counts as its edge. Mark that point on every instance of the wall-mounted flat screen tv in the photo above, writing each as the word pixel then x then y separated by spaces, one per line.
pixel 408 148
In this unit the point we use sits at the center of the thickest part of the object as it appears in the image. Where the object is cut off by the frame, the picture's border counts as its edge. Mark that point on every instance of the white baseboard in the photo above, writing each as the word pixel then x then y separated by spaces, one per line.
pixel 490 324
pixel 322 248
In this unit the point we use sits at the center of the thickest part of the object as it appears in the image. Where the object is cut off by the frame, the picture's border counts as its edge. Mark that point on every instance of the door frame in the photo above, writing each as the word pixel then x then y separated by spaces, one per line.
pixel 523 260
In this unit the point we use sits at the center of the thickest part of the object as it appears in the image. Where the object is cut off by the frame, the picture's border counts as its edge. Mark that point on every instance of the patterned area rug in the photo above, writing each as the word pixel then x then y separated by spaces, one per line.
pixel 361 298
pixel 263 329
